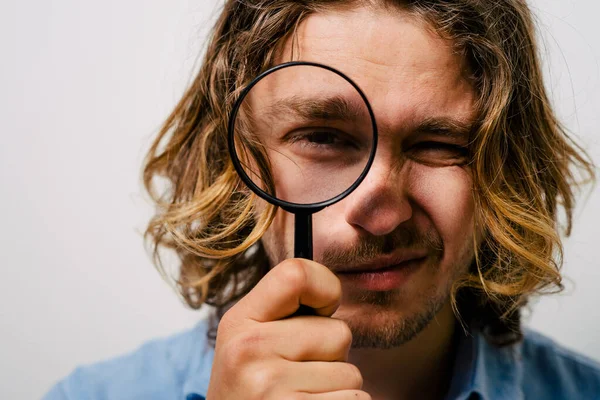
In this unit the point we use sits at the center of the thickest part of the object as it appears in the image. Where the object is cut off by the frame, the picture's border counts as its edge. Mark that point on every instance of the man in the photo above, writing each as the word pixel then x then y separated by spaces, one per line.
pixel 420 273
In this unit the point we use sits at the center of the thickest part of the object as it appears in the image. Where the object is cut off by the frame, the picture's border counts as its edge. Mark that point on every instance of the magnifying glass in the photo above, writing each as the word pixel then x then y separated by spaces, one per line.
pixel 302 136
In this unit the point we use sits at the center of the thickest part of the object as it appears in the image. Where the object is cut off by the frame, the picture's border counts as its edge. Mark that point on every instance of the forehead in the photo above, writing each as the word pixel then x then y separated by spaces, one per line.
pixel 408 72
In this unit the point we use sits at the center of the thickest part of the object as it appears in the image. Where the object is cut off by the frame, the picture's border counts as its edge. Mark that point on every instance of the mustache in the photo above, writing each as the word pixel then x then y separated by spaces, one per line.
pixel 370 247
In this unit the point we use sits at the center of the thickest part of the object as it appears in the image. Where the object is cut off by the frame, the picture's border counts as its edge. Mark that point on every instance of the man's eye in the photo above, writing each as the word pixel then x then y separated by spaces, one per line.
pixel 320 137
pixel 439 153
pixel 441 146
pixel 323 139
pixel 324 145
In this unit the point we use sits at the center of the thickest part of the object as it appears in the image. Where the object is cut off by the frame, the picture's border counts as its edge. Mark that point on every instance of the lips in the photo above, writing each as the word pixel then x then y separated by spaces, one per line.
pixel 384 263
pixel 386 278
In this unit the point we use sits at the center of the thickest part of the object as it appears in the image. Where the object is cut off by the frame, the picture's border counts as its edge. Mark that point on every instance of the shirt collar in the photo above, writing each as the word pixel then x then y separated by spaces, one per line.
pixel 491 372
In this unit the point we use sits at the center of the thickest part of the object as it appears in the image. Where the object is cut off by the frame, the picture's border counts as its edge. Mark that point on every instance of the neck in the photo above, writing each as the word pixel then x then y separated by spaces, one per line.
pixel 419 369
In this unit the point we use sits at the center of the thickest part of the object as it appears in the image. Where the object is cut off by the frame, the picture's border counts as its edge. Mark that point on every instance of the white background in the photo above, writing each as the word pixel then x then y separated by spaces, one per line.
pixel 84 86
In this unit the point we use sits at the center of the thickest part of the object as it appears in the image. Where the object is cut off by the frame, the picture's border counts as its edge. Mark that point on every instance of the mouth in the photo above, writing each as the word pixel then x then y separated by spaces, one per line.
pixel 382 263
pixel 382 274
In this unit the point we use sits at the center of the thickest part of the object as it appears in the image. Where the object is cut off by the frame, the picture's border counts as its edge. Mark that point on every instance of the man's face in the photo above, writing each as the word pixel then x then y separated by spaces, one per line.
pixel 417 199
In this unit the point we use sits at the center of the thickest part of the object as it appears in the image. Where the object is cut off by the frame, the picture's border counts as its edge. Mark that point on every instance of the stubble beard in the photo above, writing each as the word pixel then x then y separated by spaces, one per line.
pixel 379 325
pixel 377 321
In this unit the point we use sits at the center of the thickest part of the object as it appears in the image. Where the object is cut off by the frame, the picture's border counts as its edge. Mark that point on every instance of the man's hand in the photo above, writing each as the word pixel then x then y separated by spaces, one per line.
pixel 260 353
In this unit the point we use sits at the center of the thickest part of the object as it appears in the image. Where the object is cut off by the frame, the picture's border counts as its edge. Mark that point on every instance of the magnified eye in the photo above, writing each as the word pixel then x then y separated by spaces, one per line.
pixel 323 138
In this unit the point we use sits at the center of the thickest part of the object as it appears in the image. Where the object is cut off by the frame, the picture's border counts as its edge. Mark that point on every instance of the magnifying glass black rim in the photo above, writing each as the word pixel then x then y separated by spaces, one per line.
pixel 286 205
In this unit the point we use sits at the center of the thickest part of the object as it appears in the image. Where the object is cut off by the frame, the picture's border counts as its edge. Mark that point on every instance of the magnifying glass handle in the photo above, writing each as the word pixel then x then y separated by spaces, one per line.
pixel 303 248
pixel 303 236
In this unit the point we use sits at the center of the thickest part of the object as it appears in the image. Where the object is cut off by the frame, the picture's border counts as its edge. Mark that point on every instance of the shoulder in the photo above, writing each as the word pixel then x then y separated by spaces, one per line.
pixel 159 369
pixel 550 370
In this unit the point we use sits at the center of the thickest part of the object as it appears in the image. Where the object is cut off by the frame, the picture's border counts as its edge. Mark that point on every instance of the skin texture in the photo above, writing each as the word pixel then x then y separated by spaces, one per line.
pixel 417 196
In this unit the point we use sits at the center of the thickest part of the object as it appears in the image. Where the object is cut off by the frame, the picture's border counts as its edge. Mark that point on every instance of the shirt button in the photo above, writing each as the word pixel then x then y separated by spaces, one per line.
pixel 194 396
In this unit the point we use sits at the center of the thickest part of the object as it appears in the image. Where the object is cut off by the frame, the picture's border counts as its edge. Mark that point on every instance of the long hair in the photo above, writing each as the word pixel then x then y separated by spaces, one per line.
pixel 524 163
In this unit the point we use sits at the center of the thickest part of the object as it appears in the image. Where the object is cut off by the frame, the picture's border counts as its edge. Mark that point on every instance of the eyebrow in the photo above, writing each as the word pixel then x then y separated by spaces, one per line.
pixel 446 126
pixel 336 108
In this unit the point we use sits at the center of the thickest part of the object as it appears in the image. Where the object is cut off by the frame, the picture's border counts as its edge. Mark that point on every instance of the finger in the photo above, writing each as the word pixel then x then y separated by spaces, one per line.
pixel 289 284
pixel 308 338
pixel 322 377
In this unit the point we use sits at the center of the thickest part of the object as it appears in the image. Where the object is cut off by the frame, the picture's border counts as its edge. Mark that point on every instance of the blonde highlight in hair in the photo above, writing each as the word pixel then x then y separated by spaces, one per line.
pixel 523 160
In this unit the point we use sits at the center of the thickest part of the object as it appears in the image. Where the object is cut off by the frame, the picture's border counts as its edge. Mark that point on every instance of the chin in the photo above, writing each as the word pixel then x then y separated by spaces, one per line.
pixel 385 320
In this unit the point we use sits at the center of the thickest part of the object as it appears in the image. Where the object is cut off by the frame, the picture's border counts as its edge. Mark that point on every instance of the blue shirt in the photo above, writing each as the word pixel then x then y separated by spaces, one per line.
pixel 179 367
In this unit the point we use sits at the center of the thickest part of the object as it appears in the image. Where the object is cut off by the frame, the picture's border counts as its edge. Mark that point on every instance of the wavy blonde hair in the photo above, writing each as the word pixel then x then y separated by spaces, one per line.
pixel 523 160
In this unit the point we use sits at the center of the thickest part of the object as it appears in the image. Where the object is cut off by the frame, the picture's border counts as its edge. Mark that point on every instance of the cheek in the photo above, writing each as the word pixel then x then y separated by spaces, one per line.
pixel 278 240
pixel 445 196
pixel 329 227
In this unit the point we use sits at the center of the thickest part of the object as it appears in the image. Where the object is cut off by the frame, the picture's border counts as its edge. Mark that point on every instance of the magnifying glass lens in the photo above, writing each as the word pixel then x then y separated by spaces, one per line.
pixel 303 134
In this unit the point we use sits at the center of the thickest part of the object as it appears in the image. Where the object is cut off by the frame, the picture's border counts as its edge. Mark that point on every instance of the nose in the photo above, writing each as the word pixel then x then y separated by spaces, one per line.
pixel 380 203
